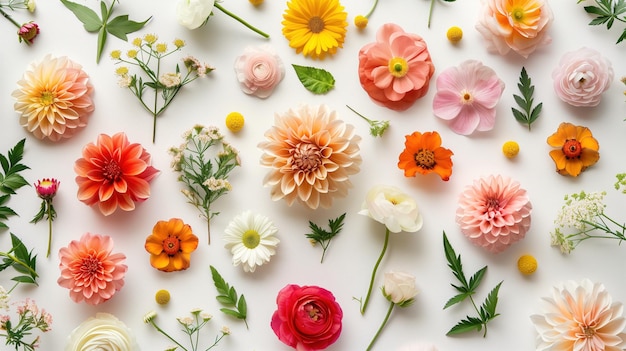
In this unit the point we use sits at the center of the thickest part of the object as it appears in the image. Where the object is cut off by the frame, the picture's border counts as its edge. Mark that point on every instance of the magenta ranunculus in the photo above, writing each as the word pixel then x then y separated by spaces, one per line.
pixel 308 318
pixel 582 76
pixel 259 70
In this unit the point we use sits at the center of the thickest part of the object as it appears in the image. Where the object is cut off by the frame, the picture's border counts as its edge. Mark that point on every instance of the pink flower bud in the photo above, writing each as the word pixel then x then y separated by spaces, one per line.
pixel 28 32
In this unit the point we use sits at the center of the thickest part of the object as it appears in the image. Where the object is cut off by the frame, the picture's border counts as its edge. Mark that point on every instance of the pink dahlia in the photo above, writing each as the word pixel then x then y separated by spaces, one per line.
pixel 311 154
pixel 494 213
pixel 467 96
pixel 89 270
pixel 395 70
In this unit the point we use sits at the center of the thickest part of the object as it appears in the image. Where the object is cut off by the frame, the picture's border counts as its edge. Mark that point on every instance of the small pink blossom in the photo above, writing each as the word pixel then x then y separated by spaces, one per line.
pixel 467 96
pixel 582 76
pixel 28 32
pixel 259 70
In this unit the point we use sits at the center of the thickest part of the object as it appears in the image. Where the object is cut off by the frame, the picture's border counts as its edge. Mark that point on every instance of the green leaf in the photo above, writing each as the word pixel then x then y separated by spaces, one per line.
pixel 87 16
pixel 527 115
pixel 231 313
pixel 454 262
pixel 606 12
pixel 227 296
pixel 466 325
pixel 322 236
pixel 102 38
pixel 477 278
pixel 120 26
pixel 455 299
pixel 315 80
pixel 491 302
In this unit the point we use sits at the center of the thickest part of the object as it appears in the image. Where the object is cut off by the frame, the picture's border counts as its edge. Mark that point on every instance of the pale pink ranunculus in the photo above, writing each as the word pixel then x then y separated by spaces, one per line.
pixel 494 212
pixel 518 25
pixel 467 96
pixel 259 70
pixel 395 70
pixel 582 76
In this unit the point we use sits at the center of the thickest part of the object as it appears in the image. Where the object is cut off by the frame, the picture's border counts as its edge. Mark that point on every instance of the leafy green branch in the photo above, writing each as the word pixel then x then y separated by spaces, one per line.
pixel 22 260
pixel 466 289
pixel 323 237
pixel 11 179
pixel 227 296
pixel 526 101
pixel 607 12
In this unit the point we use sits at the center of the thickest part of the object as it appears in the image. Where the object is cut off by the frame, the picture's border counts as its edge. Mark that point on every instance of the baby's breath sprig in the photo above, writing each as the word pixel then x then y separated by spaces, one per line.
pixel 377 128
pixel 204 170
pixel 323 237
pixel 147 54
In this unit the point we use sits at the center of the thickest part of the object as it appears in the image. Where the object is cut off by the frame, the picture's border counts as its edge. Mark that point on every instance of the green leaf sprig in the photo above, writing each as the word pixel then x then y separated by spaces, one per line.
pixel 467 289
pixel 529 114
pixel 377 127
pixel 432 5
pixel 316 80
pixel 228 297
pixel 119 26
pixel 11 179
pixel 607 12
pixel 323 237
pixel 22 261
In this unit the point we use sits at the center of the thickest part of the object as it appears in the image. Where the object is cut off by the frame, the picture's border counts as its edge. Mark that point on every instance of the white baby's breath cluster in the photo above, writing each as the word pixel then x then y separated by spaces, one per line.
pixel 191 325
pixel 580 207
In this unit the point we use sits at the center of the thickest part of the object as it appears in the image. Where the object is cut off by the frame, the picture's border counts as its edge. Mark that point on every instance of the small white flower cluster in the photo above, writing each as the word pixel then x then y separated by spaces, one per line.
pixel 217 184
pixel 579 208
pixel 4 299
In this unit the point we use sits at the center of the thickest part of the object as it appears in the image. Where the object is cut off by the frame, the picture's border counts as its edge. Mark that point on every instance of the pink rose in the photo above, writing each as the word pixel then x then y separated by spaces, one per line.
pixel 308 318
pixel 259 70
pixel 582 77
pixel 395 70
pixel 518 25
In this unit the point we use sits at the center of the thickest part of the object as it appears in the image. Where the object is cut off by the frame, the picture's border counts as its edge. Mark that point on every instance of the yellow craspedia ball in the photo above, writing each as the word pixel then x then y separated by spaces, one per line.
pixel 360 21
pixel 256 2
pixel 234 121
pixel 510 149
pixel 162 297
pixel 454 34
pixel 527 264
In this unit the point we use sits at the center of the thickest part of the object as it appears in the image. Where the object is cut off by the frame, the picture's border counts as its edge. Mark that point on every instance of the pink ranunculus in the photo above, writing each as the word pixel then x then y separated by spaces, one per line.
pixel 494 212
pixel 259 70
pixel 582 76
pixel 395 70
pixel 467 96
pixel 308 318
pixel 518 25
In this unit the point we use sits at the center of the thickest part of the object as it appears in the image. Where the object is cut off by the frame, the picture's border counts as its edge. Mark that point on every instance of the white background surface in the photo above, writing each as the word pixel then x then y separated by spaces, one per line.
pixel 347 267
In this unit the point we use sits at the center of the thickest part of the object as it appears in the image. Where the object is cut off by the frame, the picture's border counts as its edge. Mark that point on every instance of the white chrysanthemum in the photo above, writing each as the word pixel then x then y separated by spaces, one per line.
pixel 251 239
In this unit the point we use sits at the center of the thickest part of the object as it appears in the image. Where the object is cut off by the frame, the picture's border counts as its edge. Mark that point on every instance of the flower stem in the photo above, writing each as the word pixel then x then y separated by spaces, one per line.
pixel 49 210
pixel 6 15
pixel 430 11
pixel 240 20
pixel 167 335
pixel 21 263
pixel 208 228
pixel 380 329
pixel 380 258
pixel 372 9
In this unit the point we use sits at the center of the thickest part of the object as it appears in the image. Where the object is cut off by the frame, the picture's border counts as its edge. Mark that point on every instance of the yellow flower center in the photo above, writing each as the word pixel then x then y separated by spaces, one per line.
pixel 572 149
pixel 425 158
pixel 518 14
pixel 316 24
pixel 588 331
pixel 47 98
pixel 398 67
pixel 251 239
pixel 171 245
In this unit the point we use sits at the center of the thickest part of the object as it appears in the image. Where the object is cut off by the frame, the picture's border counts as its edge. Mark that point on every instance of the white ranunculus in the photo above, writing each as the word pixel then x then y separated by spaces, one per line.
pixel 102 332
pixel 193 13
pixel 399 287
pixel 393 208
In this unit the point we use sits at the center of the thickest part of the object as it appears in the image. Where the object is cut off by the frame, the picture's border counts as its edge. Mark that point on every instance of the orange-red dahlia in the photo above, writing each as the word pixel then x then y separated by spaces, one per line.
pixel 423 154
pixel 577 149
pixel 89 269
pixel 170 245
pixel 114 173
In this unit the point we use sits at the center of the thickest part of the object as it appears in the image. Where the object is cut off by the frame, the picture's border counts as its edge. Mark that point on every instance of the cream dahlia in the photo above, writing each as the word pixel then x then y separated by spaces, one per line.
pixel 311 154
pixel 494 212
pixel 580 316
pixel 54 98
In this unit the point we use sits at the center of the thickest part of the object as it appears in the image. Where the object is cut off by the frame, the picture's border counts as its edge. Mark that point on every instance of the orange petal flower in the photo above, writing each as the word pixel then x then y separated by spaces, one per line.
pixel 577 149
pixel 423 154
pixel 114 173
pixel 170 245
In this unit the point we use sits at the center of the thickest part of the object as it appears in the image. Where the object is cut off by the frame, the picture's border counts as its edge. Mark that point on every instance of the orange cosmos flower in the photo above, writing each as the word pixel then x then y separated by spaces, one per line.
pixel 423 154
pixel 577 149
pixel 114 173
pixel 170 245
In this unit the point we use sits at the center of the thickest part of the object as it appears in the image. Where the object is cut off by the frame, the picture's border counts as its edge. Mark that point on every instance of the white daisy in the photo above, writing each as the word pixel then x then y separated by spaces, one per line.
pixel 251 239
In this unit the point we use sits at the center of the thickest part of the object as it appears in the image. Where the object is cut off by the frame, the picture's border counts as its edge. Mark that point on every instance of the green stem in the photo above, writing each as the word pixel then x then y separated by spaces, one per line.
pixel 484 322
pixel 380 329
pixel 18 261
pixel 156 98
pixel 6 15
pixel 263 34
pixel 360 115
pixel 380 258
pixel 166 335
pixel 430 12
pixel 372 9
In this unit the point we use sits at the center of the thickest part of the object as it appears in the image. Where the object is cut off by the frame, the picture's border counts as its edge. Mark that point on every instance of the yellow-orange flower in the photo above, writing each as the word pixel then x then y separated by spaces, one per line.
pixel 315 28
pixel 54 98
pixel 170 245
pixel 577 149
pixel 424 154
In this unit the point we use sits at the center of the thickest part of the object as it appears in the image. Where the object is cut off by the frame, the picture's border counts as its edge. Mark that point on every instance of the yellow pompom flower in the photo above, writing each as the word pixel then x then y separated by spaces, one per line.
pixel 179 43
pixel 527 264
pixel 122 70
pixel 137 42
pixel 361 21
pixel 150 38
pixel 116 54
pixel 510 149
pixel 161 48
pixel 256 2
pixel 162 297
pixel 454 34
pixel 234 121
pixel 132 53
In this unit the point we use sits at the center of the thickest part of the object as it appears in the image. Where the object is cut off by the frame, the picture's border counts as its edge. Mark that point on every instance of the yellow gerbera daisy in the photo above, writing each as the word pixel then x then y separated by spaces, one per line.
pixel 315 27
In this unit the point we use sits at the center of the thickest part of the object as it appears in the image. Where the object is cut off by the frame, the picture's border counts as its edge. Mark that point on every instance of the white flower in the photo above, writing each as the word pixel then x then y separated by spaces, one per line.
pixel 4 299
pixel 124 81
pixel 393 208
pixel 193 13
pixel 251 239
pixel 102 332
pixel 170 80
pixel 399 287
pixel 30 5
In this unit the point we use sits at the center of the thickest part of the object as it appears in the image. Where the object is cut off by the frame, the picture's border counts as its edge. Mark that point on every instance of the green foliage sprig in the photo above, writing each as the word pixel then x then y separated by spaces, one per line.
pixel 377 128
pixel 11 179
pixel 432 5
pixel 529 114
pixel 235 306
pixel 467 289
pixel 22 260
pixel 323 237
pixel 316 80
pixel 607 12
pixel 119 26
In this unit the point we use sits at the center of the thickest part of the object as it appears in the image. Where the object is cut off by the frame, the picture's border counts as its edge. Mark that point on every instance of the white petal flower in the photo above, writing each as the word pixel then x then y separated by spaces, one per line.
pixel 102 332
pixel 193 13
pixel 251 239
pixel 399 287
pixel 393 208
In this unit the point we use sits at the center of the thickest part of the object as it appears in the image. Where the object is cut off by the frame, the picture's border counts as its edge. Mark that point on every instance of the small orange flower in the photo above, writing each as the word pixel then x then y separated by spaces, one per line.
pixel 423 154
pixel 577 149
pixel 170 245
